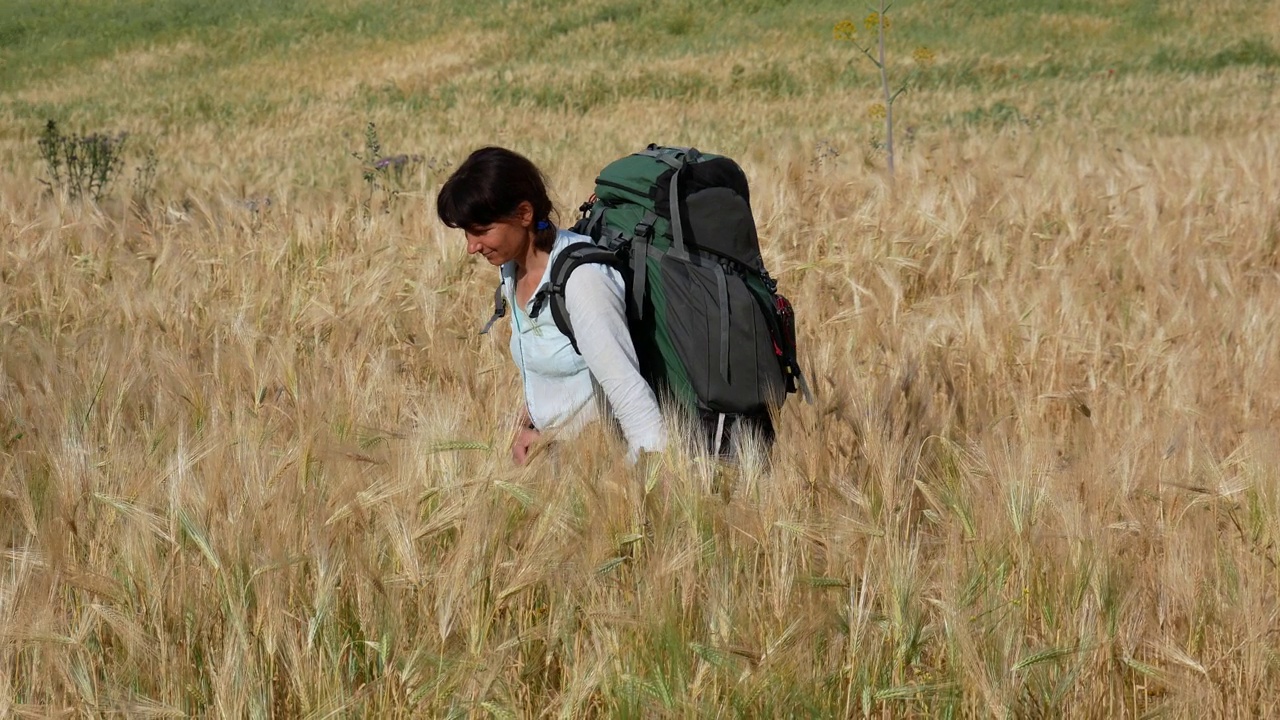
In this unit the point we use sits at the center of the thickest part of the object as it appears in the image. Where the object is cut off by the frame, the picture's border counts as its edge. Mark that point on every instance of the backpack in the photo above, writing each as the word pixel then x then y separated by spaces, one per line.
pixel 709 328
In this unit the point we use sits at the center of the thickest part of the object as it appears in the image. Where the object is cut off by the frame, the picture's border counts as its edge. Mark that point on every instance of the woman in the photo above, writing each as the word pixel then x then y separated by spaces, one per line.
pixel 499 199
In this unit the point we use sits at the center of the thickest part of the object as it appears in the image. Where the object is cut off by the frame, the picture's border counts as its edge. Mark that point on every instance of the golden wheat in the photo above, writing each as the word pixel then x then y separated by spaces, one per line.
pixel 254 463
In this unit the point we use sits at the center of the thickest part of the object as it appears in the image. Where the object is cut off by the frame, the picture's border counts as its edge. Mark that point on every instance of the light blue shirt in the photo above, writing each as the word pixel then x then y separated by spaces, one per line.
pixel 559 384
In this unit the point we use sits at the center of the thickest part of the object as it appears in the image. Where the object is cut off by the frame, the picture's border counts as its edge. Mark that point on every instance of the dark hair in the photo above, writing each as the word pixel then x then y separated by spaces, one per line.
pixel 488 186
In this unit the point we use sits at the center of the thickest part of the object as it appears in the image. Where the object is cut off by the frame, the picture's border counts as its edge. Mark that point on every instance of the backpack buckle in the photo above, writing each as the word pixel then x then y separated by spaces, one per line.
pixel 540 298
pixel 644 230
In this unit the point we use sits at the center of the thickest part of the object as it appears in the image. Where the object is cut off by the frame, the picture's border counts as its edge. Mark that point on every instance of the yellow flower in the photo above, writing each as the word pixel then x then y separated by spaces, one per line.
pixel 844 30
pixel 923 56
pixel 875 19
pixel 877 111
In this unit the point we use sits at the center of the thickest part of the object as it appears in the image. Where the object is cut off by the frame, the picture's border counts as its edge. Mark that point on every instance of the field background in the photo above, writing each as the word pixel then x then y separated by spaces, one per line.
pixel 253 455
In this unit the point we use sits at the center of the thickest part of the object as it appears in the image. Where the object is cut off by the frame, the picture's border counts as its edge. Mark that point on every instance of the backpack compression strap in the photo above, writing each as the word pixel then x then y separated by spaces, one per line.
pixel 553 292
pixel 677 158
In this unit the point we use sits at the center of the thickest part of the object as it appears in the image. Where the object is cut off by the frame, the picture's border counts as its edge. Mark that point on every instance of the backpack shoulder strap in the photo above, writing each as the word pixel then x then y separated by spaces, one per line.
pixel 499 309
pixel 552 294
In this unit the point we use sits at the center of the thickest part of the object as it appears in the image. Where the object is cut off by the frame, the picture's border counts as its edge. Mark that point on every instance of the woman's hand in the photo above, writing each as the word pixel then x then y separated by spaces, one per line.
pixel 526 438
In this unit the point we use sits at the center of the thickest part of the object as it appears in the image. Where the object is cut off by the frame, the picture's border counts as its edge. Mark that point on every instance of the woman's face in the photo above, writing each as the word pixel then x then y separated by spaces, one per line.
pixel 503 240
pixel 500 242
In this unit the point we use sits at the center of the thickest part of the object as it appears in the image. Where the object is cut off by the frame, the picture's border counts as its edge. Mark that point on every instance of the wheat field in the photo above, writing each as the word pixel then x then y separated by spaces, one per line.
pixel 253 454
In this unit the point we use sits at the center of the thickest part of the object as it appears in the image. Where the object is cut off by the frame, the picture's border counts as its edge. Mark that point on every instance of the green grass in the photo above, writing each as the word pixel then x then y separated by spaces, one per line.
pixel 1248 52
pixel 987 45
pixel 40 39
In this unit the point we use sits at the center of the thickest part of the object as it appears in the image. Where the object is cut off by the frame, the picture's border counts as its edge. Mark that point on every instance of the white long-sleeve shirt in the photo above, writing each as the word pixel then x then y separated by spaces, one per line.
pixel 559 385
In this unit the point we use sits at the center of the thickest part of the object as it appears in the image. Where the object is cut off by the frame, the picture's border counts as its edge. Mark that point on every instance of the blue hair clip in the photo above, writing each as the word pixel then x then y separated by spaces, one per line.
pixel 543 225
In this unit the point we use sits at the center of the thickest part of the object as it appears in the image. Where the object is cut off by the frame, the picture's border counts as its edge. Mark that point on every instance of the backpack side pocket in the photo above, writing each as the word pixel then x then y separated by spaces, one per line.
pixel 719 336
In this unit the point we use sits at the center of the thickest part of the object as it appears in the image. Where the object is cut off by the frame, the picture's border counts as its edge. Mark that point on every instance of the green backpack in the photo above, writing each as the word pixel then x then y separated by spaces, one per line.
pixel 709 328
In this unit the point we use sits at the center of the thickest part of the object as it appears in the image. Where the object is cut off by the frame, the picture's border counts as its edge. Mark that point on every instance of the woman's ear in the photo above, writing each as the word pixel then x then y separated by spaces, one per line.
pixel 524 213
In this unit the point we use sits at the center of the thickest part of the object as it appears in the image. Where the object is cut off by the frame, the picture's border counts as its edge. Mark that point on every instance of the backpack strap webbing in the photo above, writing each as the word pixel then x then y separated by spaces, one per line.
pixel 639 257
pixel 678 248
pixel 804 384
pixel 552 293
pixel 499 309
pixel 723 299
pixel 677 158
pixel 664 153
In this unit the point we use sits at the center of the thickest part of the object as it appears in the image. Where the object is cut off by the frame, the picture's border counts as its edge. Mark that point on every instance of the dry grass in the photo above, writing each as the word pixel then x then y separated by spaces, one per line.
pixel 252 462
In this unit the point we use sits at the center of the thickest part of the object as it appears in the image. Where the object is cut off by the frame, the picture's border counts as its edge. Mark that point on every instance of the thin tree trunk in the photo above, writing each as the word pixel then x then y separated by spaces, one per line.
pixel 888 96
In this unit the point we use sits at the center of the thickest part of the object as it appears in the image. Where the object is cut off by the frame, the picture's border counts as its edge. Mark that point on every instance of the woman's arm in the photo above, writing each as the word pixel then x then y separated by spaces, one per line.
pixel 598 313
